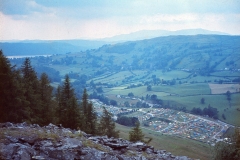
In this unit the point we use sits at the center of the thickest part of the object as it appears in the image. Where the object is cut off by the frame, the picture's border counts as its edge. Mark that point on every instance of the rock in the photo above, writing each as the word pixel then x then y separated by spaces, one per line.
pixel 64 143
pixel 34 126
pixel 12 139
pixel 182 158
pixel 24 153
pixel 149 151
pixel 38 157
pixel 7 125
pixel 172 156
pixel 139 144
pixel 28 139
pixel 71 143
pixel 6 151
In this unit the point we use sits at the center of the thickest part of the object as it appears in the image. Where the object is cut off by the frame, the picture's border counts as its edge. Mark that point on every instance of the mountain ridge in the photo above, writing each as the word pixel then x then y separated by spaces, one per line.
pixel 148 34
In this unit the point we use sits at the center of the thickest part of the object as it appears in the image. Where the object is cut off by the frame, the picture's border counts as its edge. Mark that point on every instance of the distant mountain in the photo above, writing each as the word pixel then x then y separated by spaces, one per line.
pixel 204 53
pixel 44 47
pixel 148 34
pixel 21 48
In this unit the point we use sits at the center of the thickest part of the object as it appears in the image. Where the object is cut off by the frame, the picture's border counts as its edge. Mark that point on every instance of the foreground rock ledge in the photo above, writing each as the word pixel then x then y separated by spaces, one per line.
pixel 25 142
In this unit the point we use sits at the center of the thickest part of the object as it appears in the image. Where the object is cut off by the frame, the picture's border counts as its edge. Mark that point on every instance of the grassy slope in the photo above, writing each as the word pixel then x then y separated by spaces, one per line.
pixel 218 101
pixel 175 145
pixel 189 96
pixel 184 89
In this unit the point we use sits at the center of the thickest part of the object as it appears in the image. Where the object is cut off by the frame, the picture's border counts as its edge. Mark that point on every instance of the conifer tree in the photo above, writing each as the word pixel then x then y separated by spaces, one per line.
pixel 12 100
pixel 91 120
pixel 73 114
pixel 107 125
pixel 31 86
pixel 5 82
pixel 84 104
pixel 46 102
pixel 58 101
pixel 68 110
pixel 84 101
pixel 136 134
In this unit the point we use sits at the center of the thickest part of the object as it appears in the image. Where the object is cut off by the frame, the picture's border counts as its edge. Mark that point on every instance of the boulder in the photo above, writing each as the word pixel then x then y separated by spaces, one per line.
pixel 64 143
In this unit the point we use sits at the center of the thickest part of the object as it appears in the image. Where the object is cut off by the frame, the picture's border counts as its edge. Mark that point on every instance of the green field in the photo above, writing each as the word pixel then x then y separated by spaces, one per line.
pixel 175 145
pixel 188 95
pixel 217 101
pixel 184 89
pixel 170 75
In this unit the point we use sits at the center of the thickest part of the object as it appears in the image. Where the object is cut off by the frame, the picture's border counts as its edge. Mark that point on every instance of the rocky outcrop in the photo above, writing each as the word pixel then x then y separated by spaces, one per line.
pixel 25 142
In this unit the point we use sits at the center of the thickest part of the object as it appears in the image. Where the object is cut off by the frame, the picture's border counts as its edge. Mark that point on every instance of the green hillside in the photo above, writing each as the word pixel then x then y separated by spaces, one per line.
pixel 179 69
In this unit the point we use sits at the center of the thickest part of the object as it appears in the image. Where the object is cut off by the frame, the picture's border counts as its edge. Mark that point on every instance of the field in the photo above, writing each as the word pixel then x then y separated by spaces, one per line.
pixel 173 144
pixel 217 101
pixel 195 64
pixel 223 88
pixel 189 95
pixel 184 89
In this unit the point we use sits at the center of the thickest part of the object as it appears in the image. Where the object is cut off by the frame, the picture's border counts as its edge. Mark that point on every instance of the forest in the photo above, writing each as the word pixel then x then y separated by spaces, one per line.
pixel 27 98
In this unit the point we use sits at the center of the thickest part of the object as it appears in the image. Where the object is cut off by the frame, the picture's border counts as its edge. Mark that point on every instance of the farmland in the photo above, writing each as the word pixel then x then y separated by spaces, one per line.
pixel 180 71
pixel 166 77
pixel 223 88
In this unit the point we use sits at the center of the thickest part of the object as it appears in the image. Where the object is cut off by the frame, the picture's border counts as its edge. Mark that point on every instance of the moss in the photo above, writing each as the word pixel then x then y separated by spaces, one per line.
pixel 91 144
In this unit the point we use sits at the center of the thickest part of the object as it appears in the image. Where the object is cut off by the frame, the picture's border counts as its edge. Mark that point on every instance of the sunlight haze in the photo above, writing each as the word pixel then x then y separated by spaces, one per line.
pixel 60 19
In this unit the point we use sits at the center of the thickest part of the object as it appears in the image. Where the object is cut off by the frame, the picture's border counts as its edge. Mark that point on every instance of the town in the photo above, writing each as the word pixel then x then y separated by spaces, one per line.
pixel 171 122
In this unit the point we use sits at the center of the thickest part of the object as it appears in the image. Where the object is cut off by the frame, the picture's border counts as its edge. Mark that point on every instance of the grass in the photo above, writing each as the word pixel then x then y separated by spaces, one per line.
pixel 188 95
pixel 170 75
pixel 217 101
pixel 138 91
pixel 226 74
pixel 89 143
pixel 175 145
pixel 15 132
pixel 184 89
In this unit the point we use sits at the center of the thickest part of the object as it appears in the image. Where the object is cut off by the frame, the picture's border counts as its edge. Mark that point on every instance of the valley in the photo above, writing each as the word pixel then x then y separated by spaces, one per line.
pixel 180 70
pixel 185 88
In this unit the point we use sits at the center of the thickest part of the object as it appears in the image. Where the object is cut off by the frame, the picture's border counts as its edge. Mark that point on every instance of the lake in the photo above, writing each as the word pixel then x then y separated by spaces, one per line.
pixel 24 56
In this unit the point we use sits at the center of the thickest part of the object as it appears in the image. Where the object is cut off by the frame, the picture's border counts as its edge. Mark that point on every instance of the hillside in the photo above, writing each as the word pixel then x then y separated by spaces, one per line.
pixel 181 70
pixel 198 52
pixel 44 47
pixel 23 141
pixel 148 34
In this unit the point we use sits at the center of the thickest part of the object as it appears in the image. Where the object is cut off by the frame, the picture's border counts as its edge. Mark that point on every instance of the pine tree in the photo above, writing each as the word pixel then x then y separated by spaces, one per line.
pixel 136 134
pixel 91 120
pixel 84 104
pixel 107 125
pixel 73 113
pixel 58 102
pixel 31 86
pixel 65 95
pixel 12 100
pixel 46 102
pixel 5 77
pixel 84 101
pixel 68 110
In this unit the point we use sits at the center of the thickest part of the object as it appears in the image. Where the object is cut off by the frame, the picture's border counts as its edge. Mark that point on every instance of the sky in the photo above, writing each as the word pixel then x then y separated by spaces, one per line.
pixel 93 19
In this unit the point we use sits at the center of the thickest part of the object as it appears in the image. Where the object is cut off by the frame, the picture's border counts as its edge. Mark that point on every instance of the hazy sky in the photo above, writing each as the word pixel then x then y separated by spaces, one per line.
pixel 88 19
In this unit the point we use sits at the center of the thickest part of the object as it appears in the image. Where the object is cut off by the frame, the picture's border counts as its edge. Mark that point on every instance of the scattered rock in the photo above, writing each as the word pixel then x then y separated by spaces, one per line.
pixel 25 142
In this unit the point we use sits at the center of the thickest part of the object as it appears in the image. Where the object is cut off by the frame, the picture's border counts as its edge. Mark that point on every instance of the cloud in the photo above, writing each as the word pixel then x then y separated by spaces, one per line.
pixel 21 7
pixel 115 8
pixel 63 19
